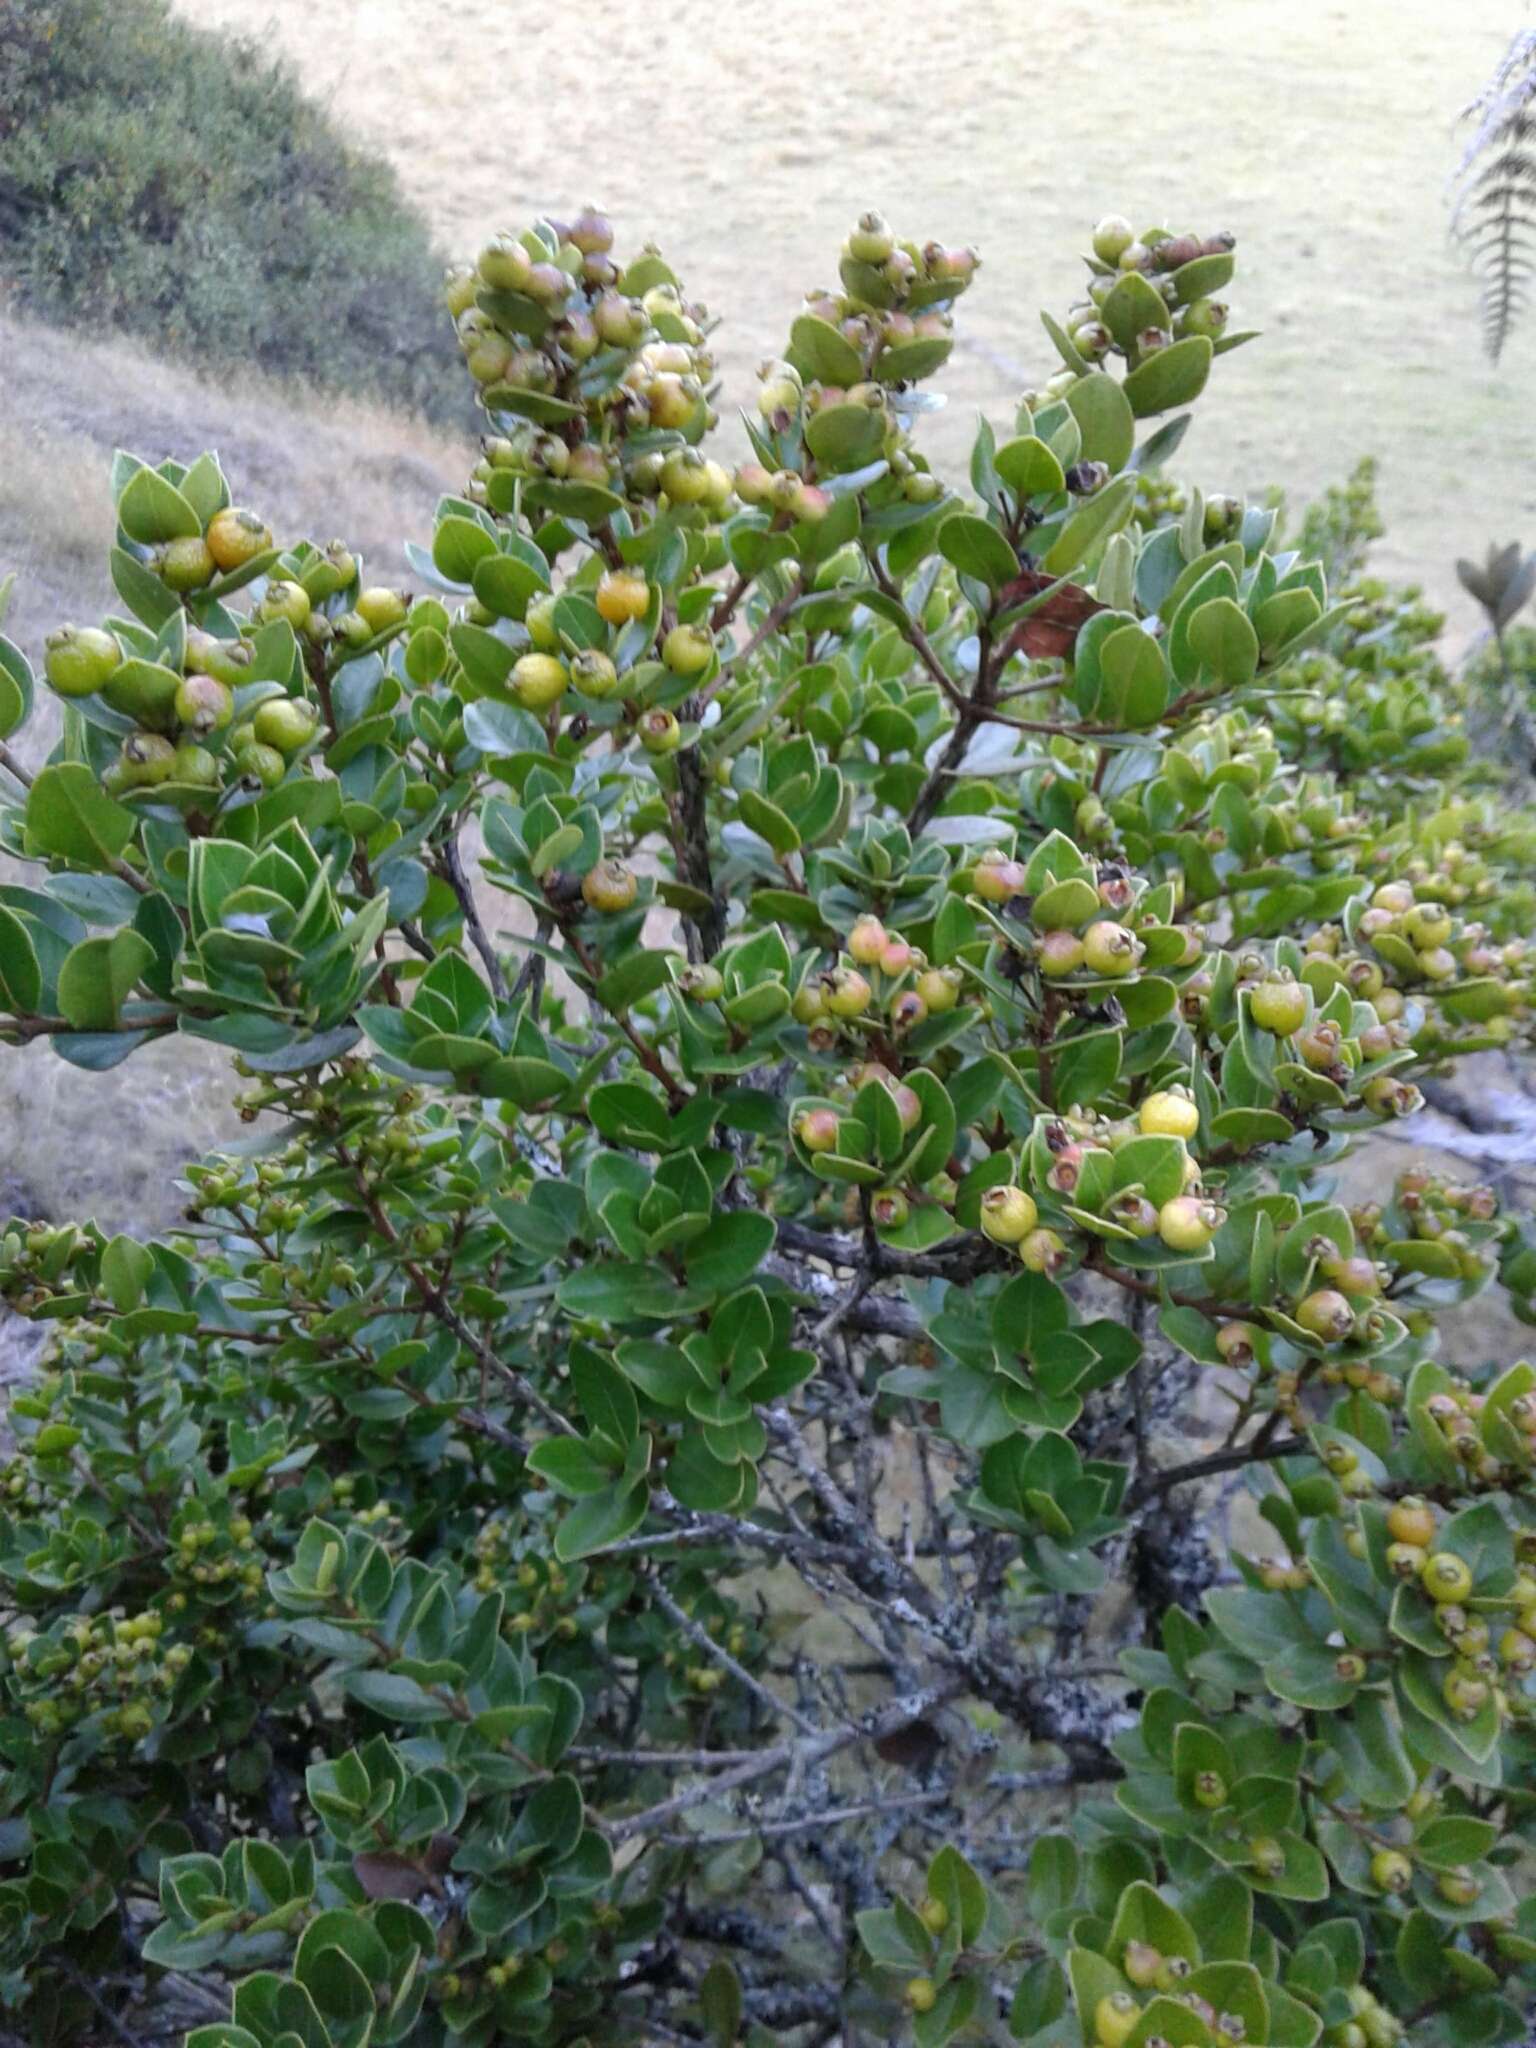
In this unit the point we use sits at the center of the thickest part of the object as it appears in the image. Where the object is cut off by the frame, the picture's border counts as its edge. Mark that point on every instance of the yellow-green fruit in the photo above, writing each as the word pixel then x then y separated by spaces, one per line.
pixel 817 1129
pixel 235 538
pixel 1112 237
pixel 538 680
pixel 285 599
pixel 1008 1215
pixel 1391 1871
pixel 1168 1115
pixel 77 660
pixel 261 764
pixel 227 660
pixel 203 705
pixel 849 994
pixel 1458 1887
pixel 540 621
pixel 1411 1520
pixel 922 1994
pixel 1109 949
pixel 934 1914
pixel 146 759
pixel 659 732
pixel 381 607
pixel 196 765
pixel 1141 1963
pixel 688 650
pixel 186 564
pixel 1187 1224
pixel 1446 1578
pixel 284 723
pixel 622 595
pixel 593 673
pixel 1267 1855
pixel 609 887
pixel 1059 953
pixel 940 988
pixel 1114 2019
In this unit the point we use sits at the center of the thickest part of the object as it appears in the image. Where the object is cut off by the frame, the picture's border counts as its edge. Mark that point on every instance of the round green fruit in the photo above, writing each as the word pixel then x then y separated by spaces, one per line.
pixel 688 650
pixel 1008 1215
pixel 203 705
pixel 609 887
pixel 539 680
pixel 285 723
pixel 235 538
pixel 77 660
pixel 186 564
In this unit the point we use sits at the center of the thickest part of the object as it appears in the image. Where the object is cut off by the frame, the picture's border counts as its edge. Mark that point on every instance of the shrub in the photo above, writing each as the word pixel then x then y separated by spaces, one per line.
pixel 653 1470
pixel 177 185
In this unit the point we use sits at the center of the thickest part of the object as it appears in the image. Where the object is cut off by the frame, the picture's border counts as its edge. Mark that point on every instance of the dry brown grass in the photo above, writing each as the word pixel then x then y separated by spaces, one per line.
pixel 746 138
pixel 313 467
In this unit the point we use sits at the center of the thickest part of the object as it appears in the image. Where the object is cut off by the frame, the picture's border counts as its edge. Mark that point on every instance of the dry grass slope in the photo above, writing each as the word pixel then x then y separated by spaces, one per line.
pixel 109 1144
pixel 747 138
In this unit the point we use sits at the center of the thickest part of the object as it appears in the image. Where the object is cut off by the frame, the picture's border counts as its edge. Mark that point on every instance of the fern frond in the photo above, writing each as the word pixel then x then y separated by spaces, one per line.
pixel 1493 199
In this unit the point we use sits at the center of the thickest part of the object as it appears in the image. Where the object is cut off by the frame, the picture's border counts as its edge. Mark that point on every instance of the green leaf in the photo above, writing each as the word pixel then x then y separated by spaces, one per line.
pixel 768 822
pixel 720 1988
pixel 1093 522
pixel 1173 376
pixel 601 1519
pixel 70 815
pixel 730 1251
pixel 151 510
pixel 977 549
pixel 1104 419
pixel 458 545
pixel 97 977
pixel 1029 469
pixel 21 981
pixel 126 1267
pixel 16 688
pixel 818 350
pixel 1223 638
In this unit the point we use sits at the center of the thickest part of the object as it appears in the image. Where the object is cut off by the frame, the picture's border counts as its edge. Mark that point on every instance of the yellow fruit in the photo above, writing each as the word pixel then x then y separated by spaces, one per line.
pixel 622 595
pixel 1168 1115
pixel 235 538
pixel 1114 2019
pixel 1008 1215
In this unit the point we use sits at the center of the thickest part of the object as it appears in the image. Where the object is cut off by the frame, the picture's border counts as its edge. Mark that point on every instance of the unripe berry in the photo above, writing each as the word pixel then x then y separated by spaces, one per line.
pixel 381 607
pixel 889 1208
pixel 866 941
pixel 77 660
pixel 539 680
pixel 1008 1215
pixel 659 732
pixel 1043 1251
pixel 1141 1963
pixel 1411 1520
pixel 1278 1004
pixel 848 994
pixel 940 988
pixel 593 673
pixel 1112 237
pixel 1187 1224
pixel 1391 1871
pixel 284 599
pixel 1114 2019
pixel 1446 1578
pixel 1458 1887
pixel 503 265
pixel 934 1914
pixel 235 538
pixel 1059 953
pixel 1110 950
pixel 922 1994
pixel 1325 1313
pixel 1235 1343
pixel 997 878
pixel 203 705
pixel 1210 1790
pixel 1168 1114
pixel 609 886
pixel 284 723
pixel 622 595
pixel 186 564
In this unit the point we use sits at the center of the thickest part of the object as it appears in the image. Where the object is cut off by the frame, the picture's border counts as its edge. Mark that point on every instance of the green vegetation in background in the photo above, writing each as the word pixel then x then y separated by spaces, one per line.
pixel 176 184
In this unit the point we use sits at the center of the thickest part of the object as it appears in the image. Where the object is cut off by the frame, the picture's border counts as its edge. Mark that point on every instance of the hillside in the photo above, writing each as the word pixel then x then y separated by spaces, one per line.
pixel 108 1144
pixel 747 139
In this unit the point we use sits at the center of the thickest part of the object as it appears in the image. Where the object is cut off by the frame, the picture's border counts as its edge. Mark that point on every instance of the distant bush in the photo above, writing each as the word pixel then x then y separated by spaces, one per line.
pixel 178 184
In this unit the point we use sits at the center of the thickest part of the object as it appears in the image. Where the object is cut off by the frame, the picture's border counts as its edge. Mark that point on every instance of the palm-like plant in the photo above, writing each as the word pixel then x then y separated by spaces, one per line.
pixel 1494 191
